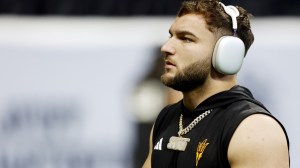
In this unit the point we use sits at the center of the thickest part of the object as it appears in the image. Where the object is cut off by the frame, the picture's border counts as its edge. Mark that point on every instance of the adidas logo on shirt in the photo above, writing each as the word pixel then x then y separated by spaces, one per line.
pixel 159 144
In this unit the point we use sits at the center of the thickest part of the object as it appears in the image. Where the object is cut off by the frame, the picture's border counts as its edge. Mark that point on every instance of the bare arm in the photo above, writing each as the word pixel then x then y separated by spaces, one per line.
pixel 258 142
pixel 147 163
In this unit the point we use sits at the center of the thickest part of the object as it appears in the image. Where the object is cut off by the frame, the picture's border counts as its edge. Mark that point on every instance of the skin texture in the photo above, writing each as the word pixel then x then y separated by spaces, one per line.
pixel 259 140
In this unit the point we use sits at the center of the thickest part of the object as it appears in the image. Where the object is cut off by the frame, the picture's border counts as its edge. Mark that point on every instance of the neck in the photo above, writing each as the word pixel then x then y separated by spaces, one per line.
pixel 191 99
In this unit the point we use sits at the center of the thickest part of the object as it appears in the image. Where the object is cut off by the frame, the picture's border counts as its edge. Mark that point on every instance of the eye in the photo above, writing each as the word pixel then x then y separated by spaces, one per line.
pixel 187 40
pixel 170 34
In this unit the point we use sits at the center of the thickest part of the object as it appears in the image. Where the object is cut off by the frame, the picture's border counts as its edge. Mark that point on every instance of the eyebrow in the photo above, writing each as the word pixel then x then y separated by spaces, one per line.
pixel 183 32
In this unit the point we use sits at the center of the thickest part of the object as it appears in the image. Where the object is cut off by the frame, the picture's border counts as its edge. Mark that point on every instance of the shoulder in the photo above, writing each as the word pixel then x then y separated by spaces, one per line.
pixel 259 141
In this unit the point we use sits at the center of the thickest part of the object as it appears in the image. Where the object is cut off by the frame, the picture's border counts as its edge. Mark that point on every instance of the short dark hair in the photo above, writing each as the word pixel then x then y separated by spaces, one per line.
pixel 218 21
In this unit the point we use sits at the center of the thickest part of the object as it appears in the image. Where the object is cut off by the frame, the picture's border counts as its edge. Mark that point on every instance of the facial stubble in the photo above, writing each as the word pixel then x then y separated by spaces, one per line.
pixel 191 77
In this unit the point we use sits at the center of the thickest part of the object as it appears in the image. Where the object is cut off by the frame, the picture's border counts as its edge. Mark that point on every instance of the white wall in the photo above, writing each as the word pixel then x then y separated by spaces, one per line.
pixel 65 84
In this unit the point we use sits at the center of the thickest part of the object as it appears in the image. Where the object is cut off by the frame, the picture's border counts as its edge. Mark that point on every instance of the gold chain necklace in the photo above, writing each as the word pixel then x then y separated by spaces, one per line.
pixel 179 143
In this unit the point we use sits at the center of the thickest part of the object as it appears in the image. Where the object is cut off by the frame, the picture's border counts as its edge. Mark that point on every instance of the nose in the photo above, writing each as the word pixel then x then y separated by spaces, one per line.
pixel 168 47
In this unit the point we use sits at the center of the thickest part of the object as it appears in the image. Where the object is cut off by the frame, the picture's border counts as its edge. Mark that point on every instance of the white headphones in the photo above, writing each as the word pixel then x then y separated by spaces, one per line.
pixel 229 51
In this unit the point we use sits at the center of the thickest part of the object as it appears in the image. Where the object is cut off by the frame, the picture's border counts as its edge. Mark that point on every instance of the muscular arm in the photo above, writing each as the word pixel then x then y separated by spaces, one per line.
pixel 147 163
pixel 258 142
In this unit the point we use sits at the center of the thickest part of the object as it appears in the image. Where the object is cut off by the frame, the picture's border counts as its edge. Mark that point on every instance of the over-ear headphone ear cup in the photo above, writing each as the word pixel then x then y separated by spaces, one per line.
pixel 228 55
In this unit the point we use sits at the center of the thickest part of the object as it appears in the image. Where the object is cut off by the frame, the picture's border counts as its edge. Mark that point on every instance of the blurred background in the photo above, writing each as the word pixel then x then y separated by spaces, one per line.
pixel 79 80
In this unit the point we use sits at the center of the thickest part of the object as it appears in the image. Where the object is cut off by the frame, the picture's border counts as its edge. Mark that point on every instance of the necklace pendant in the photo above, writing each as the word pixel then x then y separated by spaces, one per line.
pixel 178 143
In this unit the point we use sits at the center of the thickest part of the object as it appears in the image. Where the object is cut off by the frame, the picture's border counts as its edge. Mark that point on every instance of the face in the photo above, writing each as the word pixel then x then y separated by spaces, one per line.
pixel 188 53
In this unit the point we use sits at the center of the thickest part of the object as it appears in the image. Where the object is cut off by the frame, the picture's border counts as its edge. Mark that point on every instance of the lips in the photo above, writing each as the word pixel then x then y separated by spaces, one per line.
pixel 168 62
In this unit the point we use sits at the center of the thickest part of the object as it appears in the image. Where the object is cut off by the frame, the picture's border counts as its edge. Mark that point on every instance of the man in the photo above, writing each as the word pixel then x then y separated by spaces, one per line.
pixel 217 124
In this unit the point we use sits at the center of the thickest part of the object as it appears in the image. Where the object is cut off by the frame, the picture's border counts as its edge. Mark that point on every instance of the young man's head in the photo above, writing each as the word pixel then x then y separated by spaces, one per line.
pixel 217 20
pixel 193 35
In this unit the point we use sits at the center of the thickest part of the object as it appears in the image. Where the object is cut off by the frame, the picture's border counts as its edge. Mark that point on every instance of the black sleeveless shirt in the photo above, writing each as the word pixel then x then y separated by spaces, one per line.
pixel 210 138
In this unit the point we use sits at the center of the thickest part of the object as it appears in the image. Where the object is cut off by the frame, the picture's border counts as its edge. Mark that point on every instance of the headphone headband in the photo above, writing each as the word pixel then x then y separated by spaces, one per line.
pixel 233 12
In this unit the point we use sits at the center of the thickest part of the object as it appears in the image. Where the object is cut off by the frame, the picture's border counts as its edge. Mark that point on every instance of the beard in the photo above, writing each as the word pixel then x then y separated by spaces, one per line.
pixel 191 77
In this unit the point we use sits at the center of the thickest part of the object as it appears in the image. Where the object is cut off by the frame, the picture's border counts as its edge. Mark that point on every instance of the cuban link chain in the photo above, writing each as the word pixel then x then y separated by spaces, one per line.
pixel 192 124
